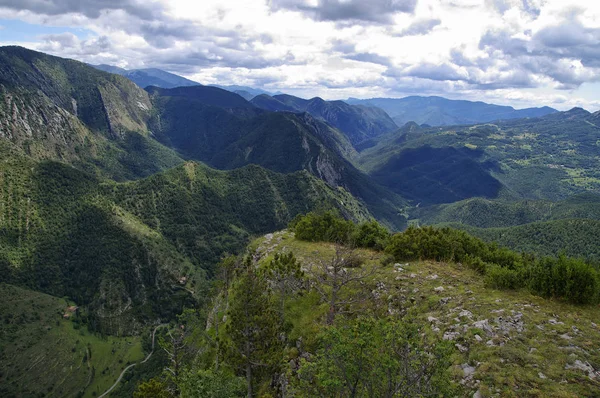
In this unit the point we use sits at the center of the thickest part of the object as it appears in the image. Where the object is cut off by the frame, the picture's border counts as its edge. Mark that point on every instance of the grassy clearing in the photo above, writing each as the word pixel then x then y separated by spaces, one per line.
pixel 43 354
pixel 509 343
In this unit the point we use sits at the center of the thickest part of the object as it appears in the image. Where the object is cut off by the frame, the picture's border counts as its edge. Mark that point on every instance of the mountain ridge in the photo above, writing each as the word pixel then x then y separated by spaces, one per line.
pixel 439 111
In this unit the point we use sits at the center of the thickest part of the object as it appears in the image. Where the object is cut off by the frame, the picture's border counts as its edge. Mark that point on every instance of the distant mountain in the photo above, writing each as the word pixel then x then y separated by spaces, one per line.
pixel 205 95
pixel 230 132
pixel 438 111
pixel 269 103
pixel 359 123
pixel 247 91
pixel 550 157
pixel 149 77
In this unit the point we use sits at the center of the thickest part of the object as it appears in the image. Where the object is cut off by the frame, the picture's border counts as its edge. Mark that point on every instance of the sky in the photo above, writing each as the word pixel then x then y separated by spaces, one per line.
pixel 514 52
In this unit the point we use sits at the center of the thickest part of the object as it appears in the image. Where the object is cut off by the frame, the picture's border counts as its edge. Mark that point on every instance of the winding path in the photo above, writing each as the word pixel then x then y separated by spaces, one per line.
pixel 132 365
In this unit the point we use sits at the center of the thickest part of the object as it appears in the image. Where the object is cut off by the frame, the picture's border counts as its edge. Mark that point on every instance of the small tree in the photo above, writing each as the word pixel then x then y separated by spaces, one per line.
pixel 376 358
pixel 253 328
pixel 285 275
pixel 336 276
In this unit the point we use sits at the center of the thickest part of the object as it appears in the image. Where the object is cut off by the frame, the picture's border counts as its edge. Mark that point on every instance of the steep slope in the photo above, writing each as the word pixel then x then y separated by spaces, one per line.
pixel 137 252
pixel 229 137
pixel 54 108
pixel 552 157
pixel 61 235
pixel 357 122
pixel 44 352
pixel 149 77
pixel 438 175
pixel 438 111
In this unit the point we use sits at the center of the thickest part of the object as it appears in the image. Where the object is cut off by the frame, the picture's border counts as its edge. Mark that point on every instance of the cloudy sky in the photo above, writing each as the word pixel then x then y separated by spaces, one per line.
pixel 515 52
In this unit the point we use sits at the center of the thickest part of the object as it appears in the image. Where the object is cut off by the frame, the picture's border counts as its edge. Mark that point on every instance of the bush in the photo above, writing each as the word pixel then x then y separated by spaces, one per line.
pixel 371 235
pixel 325 227
pixel 565 278
pixel 504 278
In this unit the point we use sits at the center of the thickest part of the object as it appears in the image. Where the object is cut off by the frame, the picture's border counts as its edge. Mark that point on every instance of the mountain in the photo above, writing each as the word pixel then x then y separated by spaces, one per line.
pixel 359 123
pixel 551 157
pixel 248 92
pixel 485 213
pixel 438 111
pixel 59 109
pixel 269 103
pixel 228 132
pixel 149 77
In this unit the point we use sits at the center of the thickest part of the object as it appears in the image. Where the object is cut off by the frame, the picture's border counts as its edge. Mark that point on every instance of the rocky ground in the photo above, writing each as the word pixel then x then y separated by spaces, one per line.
pixel 508 343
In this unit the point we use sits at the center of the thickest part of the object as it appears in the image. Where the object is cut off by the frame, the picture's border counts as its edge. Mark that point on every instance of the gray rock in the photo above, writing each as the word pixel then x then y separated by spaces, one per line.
pixel 461 348
pixel 485 326
pixel 585 367
pixel 468 371
pixel 439 289
pixel 478 338
pixel 477 394
pixel 541 375
pixel 450 335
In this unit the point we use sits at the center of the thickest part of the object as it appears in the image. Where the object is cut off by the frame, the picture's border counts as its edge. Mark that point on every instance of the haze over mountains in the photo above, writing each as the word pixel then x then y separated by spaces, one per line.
pixel 432 111
pixel 438 111
pixel 122 190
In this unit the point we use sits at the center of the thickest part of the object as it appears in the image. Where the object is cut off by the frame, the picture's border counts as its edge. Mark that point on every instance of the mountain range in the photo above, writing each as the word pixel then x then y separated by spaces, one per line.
pixel 120 190
pixel 438 111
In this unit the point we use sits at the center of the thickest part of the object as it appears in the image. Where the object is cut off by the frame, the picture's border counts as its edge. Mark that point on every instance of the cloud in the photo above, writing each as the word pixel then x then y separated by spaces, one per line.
pixel 373 11
pixel 2 27
pixel 90 8
pixel 420 27
pixel 335 48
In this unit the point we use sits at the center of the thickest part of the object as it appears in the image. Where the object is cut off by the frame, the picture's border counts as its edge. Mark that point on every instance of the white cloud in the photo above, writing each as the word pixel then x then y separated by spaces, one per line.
pixel 519 52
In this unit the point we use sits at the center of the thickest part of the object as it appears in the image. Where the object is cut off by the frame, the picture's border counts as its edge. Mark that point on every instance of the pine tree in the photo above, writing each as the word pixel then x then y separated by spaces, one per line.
pixel 254 328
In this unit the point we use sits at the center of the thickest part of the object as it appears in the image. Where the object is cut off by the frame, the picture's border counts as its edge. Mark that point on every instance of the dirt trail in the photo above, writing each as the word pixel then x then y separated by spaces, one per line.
pixel 132 365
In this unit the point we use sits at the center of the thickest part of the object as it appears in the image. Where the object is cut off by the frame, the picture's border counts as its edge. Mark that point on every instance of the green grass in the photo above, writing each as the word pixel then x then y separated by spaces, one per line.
pixel 43 353
pixel 510 366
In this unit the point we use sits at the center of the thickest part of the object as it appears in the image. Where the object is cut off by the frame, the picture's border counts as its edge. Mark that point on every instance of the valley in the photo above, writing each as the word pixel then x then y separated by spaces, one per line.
pixel 143 216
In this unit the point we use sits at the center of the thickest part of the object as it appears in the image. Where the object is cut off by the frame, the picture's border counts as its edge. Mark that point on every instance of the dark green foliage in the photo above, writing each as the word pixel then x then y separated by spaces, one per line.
pixel 376 358
pixel 574 237
pixel 565 278
pixel 484 213
pixel 206 212
pixel 283 142
pixel 551 157
pixel 211 384
pixel 325 227
pixel 438 175
pixel 371 235
pixel 504 278
pixel 254 346
pixel 330 227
